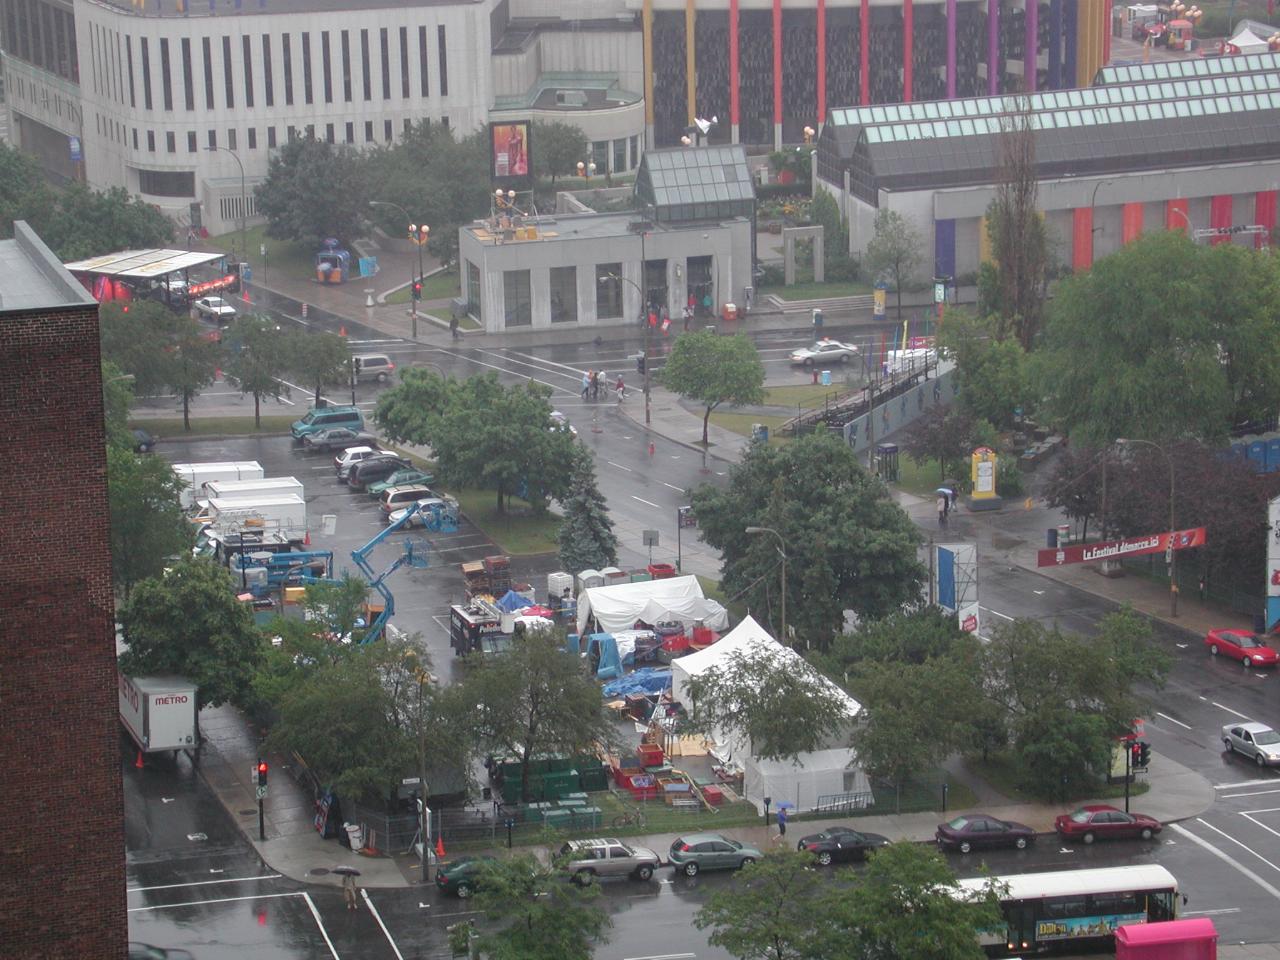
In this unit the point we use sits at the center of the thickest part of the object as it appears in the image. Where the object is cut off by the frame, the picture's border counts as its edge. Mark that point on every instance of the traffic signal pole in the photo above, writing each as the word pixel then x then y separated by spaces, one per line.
pixel 260 781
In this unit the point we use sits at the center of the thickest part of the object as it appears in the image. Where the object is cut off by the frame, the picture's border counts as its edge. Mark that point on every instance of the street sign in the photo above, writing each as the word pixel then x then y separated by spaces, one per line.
pixel 262 793
pixel 650 538
pixel 77 154
pixel 687 517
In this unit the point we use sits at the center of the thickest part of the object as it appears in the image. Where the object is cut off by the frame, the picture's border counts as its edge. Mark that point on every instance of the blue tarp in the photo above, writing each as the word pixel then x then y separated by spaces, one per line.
pixel 512 601
pixel 649 680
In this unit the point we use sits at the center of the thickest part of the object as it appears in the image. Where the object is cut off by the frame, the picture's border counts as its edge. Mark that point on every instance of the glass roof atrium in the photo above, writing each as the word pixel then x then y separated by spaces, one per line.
pixel 696 183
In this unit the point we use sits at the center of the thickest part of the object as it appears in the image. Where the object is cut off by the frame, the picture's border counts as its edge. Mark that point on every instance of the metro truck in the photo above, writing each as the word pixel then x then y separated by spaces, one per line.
pixel 283 512
pixel 195 475
pixel 246 490
pixel 159 713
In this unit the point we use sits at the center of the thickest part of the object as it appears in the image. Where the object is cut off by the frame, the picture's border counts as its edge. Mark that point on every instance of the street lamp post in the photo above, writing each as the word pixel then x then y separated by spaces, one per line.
pixel 244 197
pixel 644 318
pixel 1093 199
pixel 782 552
pixel 413 236
pixel 1172 554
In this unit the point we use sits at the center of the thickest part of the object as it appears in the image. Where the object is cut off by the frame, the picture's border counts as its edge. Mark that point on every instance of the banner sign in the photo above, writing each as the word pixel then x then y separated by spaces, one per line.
pixel 222 283
pixel 1115 549
pixel 1273 563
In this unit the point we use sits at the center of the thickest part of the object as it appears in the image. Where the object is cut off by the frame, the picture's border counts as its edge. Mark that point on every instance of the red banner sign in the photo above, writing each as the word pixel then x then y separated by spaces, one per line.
pixel 1115 549
pixel 196 289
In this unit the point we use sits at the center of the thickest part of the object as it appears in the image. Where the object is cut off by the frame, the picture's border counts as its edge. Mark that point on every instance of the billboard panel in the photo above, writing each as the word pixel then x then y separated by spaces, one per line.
pixel 509 165
pixel 1273 564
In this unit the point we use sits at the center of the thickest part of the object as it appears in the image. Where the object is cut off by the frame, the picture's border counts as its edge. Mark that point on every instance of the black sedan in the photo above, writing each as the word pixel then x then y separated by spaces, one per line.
pixel 976 830
pixel 836 844
pixel 374 469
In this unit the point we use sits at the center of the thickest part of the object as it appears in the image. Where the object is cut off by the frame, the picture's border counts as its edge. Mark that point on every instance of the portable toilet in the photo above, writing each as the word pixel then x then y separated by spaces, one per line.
pixel 1273 454
pixel 614 575
pixel 588 579
pixel 1258 455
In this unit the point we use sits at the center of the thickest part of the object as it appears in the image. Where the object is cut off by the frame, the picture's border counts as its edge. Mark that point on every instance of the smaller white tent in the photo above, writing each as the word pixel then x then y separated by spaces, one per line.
pixel 1246 41
pixel 618 607
pixel 822 773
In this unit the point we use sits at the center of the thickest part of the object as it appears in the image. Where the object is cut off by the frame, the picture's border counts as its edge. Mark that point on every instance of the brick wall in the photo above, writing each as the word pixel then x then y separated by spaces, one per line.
pixel 62 881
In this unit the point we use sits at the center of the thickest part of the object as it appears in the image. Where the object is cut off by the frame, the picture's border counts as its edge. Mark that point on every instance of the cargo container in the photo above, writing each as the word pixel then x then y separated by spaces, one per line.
pixel 281 513
pixel 246 490
pixel 195 475
pixel 159 713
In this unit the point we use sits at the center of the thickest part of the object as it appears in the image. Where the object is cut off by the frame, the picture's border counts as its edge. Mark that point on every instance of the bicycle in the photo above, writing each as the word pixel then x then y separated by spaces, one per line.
pixel 633 819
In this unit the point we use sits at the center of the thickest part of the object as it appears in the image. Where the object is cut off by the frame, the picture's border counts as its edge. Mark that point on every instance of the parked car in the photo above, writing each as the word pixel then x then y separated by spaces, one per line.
pixel 561 423
pixel 350 456
pixel 409 476
pixel 839 844
pixel 1099 821
pixel 1255 740
pixel 338 438
pixel 420 518
pixel 372 366
pixel 143 442
pixel 326 418
pixel 395 498
pixel 980 830
pixel 214 308
pixel 374 469
pixel 587 860
pixel 824 351
pixel 1243 645
pixel 460 877
pixel 710 851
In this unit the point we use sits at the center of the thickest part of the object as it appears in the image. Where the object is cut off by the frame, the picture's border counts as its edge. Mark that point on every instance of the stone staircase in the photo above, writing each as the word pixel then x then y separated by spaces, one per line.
pixel 863 301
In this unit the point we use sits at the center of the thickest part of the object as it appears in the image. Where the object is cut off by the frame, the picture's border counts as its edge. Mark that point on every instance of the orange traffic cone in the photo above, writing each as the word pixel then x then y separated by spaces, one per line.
pixel 138 763
pixel 244 294
pixel 440 848
pixel 306 540
pixel 342 331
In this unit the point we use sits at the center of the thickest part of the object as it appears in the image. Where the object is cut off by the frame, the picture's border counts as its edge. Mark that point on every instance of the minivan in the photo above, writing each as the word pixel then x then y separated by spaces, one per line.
pixel 324 418
pixel 397 497
pixel 372 366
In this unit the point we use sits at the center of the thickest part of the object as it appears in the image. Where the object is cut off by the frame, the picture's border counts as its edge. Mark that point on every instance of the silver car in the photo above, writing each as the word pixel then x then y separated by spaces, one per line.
pixel 587 860
pixel 1255 740
pixel 824 351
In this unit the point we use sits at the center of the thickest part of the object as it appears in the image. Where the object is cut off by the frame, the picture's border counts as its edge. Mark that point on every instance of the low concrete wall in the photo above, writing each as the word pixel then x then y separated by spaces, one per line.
pixel 886 418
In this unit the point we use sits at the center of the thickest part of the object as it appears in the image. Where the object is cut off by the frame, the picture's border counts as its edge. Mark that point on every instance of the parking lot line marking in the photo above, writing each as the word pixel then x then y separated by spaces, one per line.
pixel 1254 793
pixel 1004 616
pixel 649 502
pixel 201 883
pixel 378 917
pixel 666 956
pixel 671 485
pixel 1239 843
pixel 1229 710
pixel 619 466
pixel 1226 858
pixel 202 903
pixel 320 924
pixel 1260 824
pixel 1242 783
pixel 1184 726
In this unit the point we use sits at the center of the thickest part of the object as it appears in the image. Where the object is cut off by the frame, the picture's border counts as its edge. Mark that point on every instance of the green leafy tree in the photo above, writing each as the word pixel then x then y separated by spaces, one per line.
pixel 711 369
pixel 188 622
pixel 147 523
pixel 995 371
pixel 894 252
pixel 771 911
pixel 136 338
pixel 835 237
pixel 190 364
pixel 24 192
pixel 87 223
pixel 586 539
pixel 533 914
pixel 557 148
pixel 942 434
pixel 904 636
pixel 258 361
pixel 313 190
pixel 533 701
pixel 410 411
pixel 117 401
pixel 810 491
pixel 322 359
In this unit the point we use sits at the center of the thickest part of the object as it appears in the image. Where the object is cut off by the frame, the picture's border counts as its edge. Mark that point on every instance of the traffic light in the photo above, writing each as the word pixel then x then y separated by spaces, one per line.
pixel 417 290
pixel 1135 753
pixel 640 363
pixel 1144 753
pixel 262 773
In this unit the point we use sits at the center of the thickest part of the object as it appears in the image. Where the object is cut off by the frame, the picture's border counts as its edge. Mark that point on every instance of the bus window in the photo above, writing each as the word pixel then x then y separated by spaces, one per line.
pixel 1161 906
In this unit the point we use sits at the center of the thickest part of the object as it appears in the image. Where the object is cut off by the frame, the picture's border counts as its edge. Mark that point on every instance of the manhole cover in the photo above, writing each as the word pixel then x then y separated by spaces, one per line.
pixel 248 813
pixel 318 871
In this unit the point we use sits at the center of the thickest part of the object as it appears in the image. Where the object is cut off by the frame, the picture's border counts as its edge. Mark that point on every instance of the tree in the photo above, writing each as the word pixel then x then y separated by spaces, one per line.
pixel 1019 243
pixel 910 637
pixel 534 915
pixel 771 911
pixel 994 370
pixel 557 148
pixel 24 192
pixel 810 491
pixel 313 190
pixel 532 701
pixel 258 361
pixel 711 369
pixel 188 622
pixel 586 539
pixel 190 365
pixel 148 526
pixel 117 401
pixel 135 337
pixel 319 358
pixel 894 251
pixel 940 433
pixel 835 236
pixel 86 223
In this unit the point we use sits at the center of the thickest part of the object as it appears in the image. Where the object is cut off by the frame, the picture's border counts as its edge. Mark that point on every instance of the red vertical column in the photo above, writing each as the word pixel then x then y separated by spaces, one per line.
pixel 864 52
pixel 1081 239
pixel 1105 13
pixel 908 41
pixel 1177 215
pixel 777 68
pixel 1220 216
pixel 734 106
pixel 822 63
pixel 1130 222
pixel 1264 214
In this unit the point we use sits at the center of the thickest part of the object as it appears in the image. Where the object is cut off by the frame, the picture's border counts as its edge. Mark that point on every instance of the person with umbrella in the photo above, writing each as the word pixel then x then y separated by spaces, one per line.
pixel 348 875
pixel 783 807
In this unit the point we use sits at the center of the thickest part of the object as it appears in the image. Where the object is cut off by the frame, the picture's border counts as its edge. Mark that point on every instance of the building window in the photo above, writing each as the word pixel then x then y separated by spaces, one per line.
pixel 346 67
pixel 408 126
pixel 386 63
pixel 271 138
pixel 231 139
pixel 404 62
pixel 192 146
pixel 326 66
pixel 246 50
pixel 519 302
pixel 608 291
pixel 188 81
pixel 146 72
pixel 292 132
pixel 619 155
pixel 368 131
pixel 600 154
pixel 226 72
pixel 268 81
pixel 166 183
pixel 208 72
pixel 253 138
pixel 422 59
pixel 135 138
pixel 306 67
pixel 444 122
pixel 311 131
pixel 364 63
pixel 564 294
pixel 151 141
pixel 128 51
pixel 213 139
pixel 635 153
pixel 473 290
pixel 351 132
pixel 444 61
pixel 386 131
pixel 171 142
pixel 287 56
pixel 328 133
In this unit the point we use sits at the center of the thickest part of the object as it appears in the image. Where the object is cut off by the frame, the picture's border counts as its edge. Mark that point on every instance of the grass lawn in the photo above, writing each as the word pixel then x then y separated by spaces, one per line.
pixel 438 286
pixel 741 423
pixel 921 480
pixel 1003 773
pixel 817 291
pixel 293 258
pixel 806 395
pixel 518 532
pixel 213 426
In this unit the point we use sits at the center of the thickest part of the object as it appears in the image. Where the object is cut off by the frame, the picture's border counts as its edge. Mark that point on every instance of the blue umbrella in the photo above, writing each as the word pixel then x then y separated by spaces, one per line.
pixel 786 805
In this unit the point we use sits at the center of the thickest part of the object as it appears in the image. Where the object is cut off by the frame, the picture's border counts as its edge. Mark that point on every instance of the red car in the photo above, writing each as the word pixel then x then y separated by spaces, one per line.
pixel 1097 820
pixel 1249 648
pixel 975 830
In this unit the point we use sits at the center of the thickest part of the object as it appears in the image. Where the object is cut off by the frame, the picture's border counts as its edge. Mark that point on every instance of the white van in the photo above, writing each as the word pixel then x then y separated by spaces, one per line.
pixel 397 497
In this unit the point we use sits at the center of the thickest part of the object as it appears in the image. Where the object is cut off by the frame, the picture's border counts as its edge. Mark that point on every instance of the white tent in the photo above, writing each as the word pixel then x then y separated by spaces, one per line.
pixel 1249 42
pixel 618 607
pixel 816 774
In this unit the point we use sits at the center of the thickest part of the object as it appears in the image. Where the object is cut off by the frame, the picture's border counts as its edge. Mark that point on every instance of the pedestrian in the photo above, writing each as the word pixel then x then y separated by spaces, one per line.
pixel 595 384
pixel 586 383
pixel 349 890
pixel 1202 586
pixel 942 510
pixel 453 327
pixel 621 388
pixel 782 823
pixel 688 316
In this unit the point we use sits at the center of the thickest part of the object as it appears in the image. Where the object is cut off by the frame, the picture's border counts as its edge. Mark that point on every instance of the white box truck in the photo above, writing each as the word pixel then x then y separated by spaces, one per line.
pixel 245 490
pixel 283 513
pixel 159 713
pixel 195 475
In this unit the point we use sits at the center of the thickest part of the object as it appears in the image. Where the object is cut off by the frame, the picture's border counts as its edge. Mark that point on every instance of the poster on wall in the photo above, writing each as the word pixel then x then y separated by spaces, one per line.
pixel 509 163
pixel 1273 563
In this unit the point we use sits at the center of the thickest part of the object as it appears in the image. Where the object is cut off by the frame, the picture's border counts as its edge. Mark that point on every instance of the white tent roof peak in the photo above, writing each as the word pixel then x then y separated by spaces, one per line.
pixel 619 606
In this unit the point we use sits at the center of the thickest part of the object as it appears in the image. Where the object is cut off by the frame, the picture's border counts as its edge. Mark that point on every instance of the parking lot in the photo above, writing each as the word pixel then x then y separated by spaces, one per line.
pixel 422 596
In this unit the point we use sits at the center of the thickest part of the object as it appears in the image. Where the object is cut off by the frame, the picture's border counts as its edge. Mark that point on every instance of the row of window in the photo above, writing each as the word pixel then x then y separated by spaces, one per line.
pixel 228 64
pixel 42 35
pixel 518 294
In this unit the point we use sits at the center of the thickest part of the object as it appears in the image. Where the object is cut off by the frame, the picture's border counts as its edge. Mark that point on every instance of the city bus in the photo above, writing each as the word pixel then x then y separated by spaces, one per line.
pixel 1075 909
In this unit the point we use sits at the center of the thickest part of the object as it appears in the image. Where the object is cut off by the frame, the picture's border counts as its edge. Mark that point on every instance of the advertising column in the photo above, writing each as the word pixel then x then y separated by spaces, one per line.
pixel 1273 564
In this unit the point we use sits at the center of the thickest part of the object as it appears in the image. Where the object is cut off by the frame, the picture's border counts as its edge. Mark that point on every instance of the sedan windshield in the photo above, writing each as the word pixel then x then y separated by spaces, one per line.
pixel 1266 737
pixel 1247 640
pixel 959 823
pixel 1081 816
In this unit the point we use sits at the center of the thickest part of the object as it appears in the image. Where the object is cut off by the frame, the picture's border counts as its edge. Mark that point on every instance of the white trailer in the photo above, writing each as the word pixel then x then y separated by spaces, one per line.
pixel 246 490
pixel 195 475
pixel 284 513
pixel 159 713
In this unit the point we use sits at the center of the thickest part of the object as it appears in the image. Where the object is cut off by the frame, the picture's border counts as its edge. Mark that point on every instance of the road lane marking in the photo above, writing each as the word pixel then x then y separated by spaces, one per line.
pixel 619 466
pixel 320 923
pixel 1258 822
pixel 1004 616
pixel 1208 913
pixel 666 956
pixel 202 903
pixel 1171 720
pixel 1226 858
pixel 671 485
pixel 1244 783
pixel 202 883
pixel 1254 793
pixel 378 917
pixel 649 502
pixel 1229 710
pixel 1244 846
